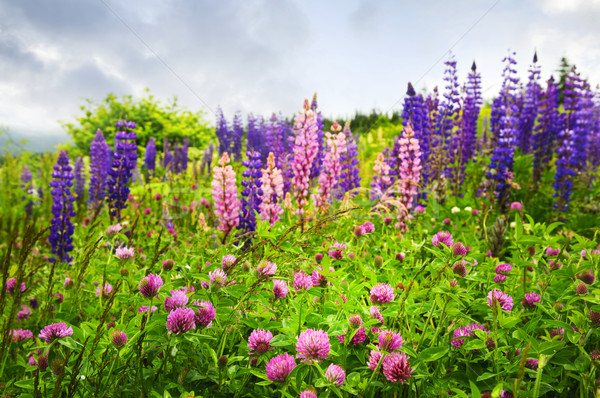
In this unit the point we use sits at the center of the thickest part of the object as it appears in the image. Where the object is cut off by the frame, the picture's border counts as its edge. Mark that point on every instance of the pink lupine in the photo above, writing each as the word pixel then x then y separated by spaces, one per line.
pixel 381 176
pixel 305 151
pixel 225 195
pixel 336 145
pixel 272 192
pixel 409 175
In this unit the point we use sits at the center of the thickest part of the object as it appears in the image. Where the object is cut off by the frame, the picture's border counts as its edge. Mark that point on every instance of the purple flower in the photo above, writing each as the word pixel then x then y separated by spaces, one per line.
pixel 24 313
pixel 313 345
pixel 532 364
pixel 11 284
pixel 125 253
pixel 308 394
pixel 266 268
pixel 227 261
pixel 531 299
pixel 382 293
pixel 458 249
pixel 98 170
pixel 389 341
pixel 302 282
pixel 465 331
pixel 118 338
pixel 280 289
pixel 498 296
pixel 114 229
pixel 368 227
pixel 180 320
pixel 205 314
pixel 442 237
pixel 150 157
pixel 280 367
pixel 396 368
pixel 124 162
pixel 145 308
pixel 318 279
pixel 500 278
pixel 375 313
pixel 55 331
pixel 19 335
pixel 516 206
pixel 61 227
pixel 252 191
pixel 359 337
pixel 150 285
pixel 178 299
pixel 259 341
pixel 335 374
pixel 550 252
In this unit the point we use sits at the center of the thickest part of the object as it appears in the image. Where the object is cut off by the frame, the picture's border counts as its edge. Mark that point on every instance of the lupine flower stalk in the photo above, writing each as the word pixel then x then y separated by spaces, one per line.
pixel 381 177
pixel 415 112
pixel 546 130
pixel 223 133
pixel 528 114
pixel 305 149
pixel 565 170
pixel 336 145
pixel 224 193
pixel 349 176
pixel 79 179
pixel 409 174
pixel 98 171
pixel 236 137
pixel 124 162
pixel 272 192
pixel 252 192
pixel 317 164
pixel 61 227
pixel 150 157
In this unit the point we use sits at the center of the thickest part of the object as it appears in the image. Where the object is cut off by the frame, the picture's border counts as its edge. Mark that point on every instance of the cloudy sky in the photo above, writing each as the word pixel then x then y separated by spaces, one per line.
pixel 268 55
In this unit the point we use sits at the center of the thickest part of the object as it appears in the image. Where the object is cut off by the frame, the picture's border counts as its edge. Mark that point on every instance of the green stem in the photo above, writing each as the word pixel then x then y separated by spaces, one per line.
pixel 538 377
pixel 374 372
pixel 426 325
pixel 439 326
pixel 300 314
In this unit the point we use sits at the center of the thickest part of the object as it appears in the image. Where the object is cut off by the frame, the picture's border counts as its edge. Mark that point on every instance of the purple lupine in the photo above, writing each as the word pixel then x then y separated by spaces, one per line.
pixel 150 157
pixel 252 192
pixel 546 130
pixel 566 167
pixel 176 158
pixel 79 179
pixel 98 171
pixel 504 127
pixel 61 227
pixel 207 156
pixel 255 140
pixel 578 106
pixel 415 113
pixel 124 162
pixel 381 177
pixel 447 119
pixel 528 114
pixel 223 133
pixel 471 108
pixel 237 133
pixel 317 163
pixel 185 148
pixel 349 176
pixel 167 155
pixel 305 150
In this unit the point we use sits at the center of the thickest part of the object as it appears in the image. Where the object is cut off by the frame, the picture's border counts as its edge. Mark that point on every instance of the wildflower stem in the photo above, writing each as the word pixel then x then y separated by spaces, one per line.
pixel 426 325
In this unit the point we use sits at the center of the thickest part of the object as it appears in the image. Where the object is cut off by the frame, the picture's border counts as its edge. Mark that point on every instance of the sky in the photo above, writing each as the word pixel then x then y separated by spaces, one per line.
pixel 265 56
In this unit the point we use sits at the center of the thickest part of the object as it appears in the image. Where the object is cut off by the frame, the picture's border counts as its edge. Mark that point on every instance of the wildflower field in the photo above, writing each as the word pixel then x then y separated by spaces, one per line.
pixel 290 259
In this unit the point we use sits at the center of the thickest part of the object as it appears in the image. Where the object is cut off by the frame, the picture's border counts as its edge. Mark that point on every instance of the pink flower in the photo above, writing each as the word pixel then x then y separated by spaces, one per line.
pixel 465 331
pixel 228 261
pixel 442 237
pixel 55 331
pixel 500 278
pixel 308 394
pixel 516 206
pixel 375 313
pixel 505 301
pixel 279 367
pixel 114 229
pixel 145 308
pixel 225 196
pixel 11 285
pixel 125 253
pixel 19 335
pixel 68 283
pixel 531 300
pixel 205 314
pixel 150 285
pixel 503 268
pixel 313 345
pixel 306 147
pixel 118 338
pixel 336 145
pixel 259 341
pixel 368 227
pixel 266 269
pixel 106 291
pixel 550 252
pixel 302 282
pixel 180 320
pixel 382 293
pixel 336 250
pixel 396 368
pixel 272 192
pixel 178 299
pixel 280 289
pixel 359 337
pixel 419 209
pixel 217 277
pixel 24 313
pixel 409 175
pixel 335 374
pixel 319 280
pixel 389 341
pixel 374 359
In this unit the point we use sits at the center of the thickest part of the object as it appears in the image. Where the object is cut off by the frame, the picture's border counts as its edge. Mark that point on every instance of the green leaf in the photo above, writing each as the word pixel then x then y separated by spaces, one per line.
pixel 475 393
pixel 433 353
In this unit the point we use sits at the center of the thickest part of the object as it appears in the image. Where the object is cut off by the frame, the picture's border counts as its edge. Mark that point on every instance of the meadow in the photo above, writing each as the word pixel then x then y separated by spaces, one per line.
pixel 293 257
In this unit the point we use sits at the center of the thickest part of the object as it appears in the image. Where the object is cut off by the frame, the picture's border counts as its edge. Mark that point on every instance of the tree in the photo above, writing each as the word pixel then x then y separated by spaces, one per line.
pixel 153 118
pixel 563 70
